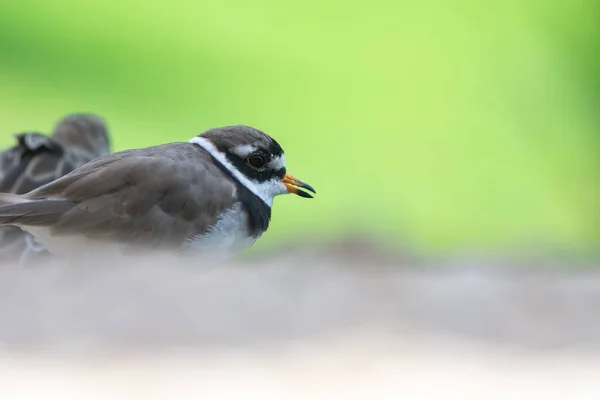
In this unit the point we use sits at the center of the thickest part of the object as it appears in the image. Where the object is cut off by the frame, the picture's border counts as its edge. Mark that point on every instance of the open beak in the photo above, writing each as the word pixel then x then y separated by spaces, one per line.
pixel 294 185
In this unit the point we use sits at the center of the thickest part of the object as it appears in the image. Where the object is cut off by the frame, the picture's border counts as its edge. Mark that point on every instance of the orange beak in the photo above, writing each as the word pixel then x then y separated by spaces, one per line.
pixel 293 185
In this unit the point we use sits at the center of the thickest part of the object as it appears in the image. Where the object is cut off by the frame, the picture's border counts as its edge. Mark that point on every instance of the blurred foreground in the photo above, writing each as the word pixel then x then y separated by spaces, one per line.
pixel 302 324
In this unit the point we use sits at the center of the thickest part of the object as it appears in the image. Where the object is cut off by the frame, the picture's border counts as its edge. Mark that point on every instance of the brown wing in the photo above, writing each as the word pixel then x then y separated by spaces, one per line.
pixel 155 197
pixel 36 160
pixel 32 162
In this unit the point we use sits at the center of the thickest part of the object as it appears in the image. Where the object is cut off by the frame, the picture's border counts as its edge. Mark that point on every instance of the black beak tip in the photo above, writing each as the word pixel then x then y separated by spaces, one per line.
pixel 308 187
pixel 302 193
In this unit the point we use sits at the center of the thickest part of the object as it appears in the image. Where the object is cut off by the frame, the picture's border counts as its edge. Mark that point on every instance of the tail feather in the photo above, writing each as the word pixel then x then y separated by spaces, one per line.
pixel 17 210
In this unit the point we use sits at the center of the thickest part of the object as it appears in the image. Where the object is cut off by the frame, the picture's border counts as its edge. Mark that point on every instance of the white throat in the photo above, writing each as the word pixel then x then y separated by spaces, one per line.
pixel 266 191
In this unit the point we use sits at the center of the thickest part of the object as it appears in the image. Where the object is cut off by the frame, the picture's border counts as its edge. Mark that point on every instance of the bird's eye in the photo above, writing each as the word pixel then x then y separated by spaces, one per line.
pixel 256 161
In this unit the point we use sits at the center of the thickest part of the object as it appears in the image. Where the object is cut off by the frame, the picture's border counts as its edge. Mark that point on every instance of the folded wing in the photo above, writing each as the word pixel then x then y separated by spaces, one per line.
pixel 154 197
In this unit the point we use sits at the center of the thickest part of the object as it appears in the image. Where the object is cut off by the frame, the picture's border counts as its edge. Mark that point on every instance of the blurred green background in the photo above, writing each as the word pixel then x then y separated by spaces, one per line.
pixel 451 125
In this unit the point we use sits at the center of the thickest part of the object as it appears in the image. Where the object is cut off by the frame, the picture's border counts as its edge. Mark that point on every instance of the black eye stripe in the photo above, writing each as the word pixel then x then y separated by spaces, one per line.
pixel 259 175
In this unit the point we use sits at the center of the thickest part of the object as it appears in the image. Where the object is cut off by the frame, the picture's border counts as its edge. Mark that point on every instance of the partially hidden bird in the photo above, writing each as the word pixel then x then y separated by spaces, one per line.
pixel 37 159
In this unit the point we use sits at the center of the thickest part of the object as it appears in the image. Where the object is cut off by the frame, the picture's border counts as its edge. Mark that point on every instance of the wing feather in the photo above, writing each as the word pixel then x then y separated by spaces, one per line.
pixel 155 197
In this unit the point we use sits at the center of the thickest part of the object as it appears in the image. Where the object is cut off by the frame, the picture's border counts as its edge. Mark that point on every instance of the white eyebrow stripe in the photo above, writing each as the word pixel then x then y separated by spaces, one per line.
pixel 244 150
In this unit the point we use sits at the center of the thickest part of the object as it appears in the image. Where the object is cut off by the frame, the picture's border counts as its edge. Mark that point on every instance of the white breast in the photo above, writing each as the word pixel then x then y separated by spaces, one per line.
pixel 224 239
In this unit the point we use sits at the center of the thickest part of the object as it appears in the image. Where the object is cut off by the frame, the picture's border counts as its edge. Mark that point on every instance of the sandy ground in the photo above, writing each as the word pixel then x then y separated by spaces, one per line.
pixel 301 325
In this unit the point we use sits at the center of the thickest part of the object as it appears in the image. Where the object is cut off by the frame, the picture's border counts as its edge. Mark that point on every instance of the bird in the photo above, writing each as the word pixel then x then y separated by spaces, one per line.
pixel 209 197
pixel 37 159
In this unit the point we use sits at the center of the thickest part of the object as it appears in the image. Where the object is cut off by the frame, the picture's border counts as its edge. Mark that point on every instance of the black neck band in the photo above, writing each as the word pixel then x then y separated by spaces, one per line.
pixel 259 213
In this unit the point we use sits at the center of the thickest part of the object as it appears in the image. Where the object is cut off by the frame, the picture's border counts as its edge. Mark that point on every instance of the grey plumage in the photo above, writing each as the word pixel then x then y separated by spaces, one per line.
pixel 38 159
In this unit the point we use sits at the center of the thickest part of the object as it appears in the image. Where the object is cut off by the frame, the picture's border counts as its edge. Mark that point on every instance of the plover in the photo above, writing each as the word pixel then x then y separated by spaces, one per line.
pixel 38 159
pixel 210 197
